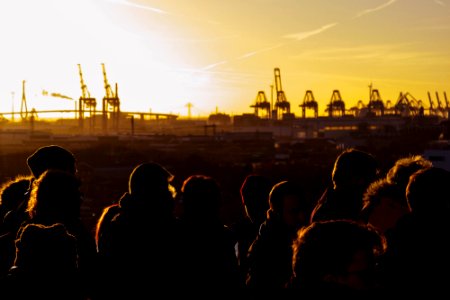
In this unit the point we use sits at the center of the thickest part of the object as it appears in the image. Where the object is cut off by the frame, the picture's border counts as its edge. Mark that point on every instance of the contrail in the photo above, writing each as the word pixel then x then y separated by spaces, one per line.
pixel 149 8
pixel 371 10
pixel 303 35
pixel 247 55
pixel 297 37
pixel 211 66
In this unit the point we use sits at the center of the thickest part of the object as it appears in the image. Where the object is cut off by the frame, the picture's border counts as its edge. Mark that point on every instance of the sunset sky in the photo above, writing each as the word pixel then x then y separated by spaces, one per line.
pixel 216 54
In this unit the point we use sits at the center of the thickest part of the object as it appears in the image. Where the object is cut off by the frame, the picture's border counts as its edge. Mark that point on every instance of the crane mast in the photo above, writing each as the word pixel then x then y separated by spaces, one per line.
pixel 111 104
pixel 84 90
pixel 86 103
pixel 309 103
pixel 336 107
pixel 281 103
pixel 376 105
pixel 108 91
pixel 261 103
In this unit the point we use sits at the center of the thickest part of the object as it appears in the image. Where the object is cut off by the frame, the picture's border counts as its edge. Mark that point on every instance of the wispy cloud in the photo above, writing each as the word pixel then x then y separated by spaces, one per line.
pixel 211 66
pixel 250 54
pixel 296 37
pixel 303 35
pixel 146 7
pixel 367 52
pixel 440 3
pixel 371 10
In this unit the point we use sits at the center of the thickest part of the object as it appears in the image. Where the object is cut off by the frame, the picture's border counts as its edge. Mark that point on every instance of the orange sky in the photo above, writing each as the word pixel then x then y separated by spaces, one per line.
pixel 219 54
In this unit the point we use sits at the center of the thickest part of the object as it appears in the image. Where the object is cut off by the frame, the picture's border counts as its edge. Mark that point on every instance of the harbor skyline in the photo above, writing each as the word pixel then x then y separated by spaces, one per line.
pixel 217 55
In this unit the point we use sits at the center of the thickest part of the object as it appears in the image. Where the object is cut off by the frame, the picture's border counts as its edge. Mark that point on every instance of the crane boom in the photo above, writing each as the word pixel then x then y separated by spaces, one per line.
pixel 84 90
pixel 108 90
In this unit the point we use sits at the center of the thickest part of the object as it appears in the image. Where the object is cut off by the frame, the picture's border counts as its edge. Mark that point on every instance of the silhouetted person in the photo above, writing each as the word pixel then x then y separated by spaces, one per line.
pixel 44 158
pixel 12 194
pixel 254 193
pixel 56 198
pixel 337 258
pixel 210 264
pixel 385 199
pixel 270 255
pixel 138 245
pixel 418 258
pixel 352 173
pixel 45 265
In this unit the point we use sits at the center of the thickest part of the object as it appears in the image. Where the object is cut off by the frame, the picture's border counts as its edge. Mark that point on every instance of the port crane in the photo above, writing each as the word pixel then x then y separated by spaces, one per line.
pixel 407 105
pixel 86 103
pixel 281 104
pixel 336 107
pixel 261 103
pixel 441 109
pixel 309 103
pixel 376 105
pixel 111 103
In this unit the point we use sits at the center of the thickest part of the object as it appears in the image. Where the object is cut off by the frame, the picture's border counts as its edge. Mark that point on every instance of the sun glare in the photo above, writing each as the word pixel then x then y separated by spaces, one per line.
pixel 50 38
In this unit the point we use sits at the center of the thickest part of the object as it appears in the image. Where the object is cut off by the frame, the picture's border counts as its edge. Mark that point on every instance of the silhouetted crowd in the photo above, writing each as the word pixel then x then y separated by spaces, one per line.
pixel 370 234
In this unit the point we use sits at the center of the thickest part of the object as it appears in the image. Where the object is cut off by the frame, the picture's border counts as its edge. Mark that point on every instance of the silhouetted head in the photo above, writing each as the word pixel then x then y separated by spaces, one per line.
pixel 287 201
pixel 201 197
pixel 428 192
pixel 55 197
pixel 337 253
pixel 354 168
pixel 255 196
pixel 12 193
pixel 404 167
pixel 51 157
pixel 44 249
pixel 149 179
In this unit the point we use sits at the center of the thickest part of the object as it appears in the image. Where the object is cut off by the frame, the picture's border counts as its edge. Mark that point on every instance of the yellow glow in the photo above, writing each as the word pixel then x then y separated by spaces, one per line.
pixel 164 54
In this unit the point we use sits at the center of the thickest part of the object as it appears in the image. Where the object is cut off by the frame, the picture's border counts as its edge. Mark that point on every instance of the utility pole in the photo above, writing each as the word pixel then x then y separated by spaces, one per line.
pixel 23 105
pixel 189 106
pixel 12 108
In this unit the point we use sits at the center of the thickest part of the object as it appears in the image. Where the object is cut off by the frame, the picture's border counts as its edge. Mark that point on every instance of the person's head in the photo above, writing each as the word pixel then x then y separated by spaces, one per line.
pixel 44 249
pixel 55 196
pixel 201 197
pixel 355 169
pixel 428 192
pixel 404 167
pixel 51 157
pixel 287 201
pixel 337 254
pixel 150 180
pixel 12 192
pixel 385 199
pixel 255 196
pixel 382 205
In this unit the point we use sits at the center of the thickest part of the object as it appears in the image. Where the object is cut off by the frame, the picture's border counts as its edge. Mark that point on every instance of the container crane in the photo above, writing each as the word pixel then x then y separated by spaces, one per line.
pixel 336 107
pixel 440 109
pixel 111 103
pixel 86 102
pixel 262 103
pixel 309 103
pixel 281 104
pixel 407 105
pixel 376 105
